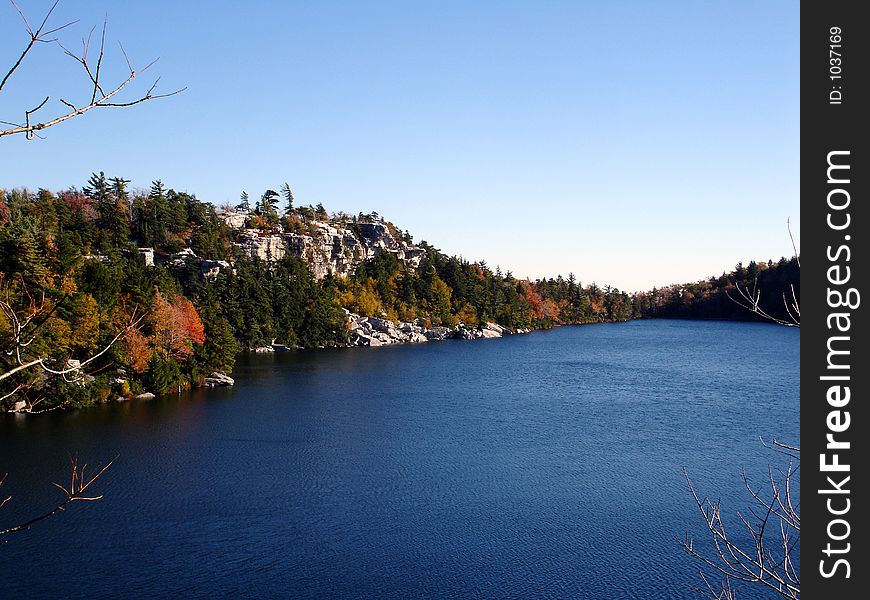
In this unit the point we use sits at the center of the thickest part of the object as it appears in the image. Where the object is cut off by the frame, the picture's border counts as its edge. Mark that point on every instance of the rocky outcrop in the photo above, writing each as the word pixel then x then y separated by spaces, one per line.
pixel 329 247
pixel 147 256
pixel 339 248
pixel 376 237
pixel 218 379
pixel 268 246
pixel 437 334
pixel 182 257
pixel 234 219
pixel 371 331
pixel 210 269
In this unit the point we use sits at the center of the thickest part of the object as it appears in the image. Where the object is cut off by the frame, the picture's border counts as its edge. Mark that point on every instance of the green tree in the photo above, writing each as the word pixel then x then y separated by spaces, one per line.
pixel 266 206
pixel 113 220
pixel 287 193
pixel 244 204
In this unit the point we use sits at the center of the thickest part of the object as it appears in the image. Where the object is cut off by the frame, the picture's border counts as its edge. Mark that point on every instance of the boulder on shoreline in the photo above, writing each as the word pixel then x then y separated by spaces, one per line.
pixel 437 333
pixel 373 331
pixel 218 379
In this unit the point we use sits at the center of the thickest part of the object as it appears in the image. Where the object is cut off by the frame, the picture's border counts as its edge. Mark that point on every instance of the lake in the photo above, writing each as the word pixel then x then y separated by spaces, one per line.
pixel 546 465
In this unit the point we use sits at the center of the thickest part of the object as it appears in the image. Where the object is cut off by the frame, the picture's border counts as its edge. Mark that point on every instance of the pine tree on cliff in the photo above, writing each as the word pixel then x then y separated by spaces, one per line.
pixel 266 205
pixel 287 193
pixel 245 203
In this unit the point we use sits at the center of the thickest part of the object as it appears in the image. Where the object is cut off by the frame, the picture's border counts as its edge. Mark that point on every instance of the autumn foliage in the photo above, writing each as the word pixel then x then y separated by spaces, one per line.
pixel 81 250
pixel 172 331
pixel 543 309
pixel 138 350
pixel 176 327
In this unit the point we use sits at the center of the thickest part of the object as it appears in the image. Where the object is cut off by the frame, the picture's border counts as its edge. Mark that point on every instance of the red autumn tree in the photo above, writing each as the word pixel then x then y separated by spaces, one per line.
pixel 176 327
pixel 543 309
pixel 79 204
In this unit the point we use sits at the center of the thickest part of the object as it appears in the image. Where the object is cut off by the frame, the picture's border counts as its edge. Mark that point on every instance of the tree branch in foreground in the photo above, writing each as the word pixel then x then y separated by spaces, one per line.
pixel 99 96
pixel 769 552
pixel 80 482
pixel 751 299
pixel 23 326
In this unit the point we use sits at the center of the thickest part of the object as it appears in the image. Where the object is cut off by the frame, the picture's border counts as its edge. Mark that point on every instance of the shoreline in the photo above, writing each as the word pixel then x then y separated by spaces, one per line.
pixel 458 332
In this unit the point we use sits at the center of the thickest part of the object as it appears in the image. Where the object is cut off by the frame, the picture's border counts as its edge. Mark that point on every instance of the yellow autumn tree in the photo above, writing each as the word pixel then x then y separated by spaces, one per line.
pixel 85 322
pixel 467 315
pixel 362 299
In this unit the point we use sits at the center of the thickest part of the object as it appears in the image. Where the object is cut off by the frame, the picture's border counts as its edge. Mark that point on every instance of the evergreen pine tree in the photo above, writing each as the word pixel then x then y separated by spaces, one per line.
pixel 245 203
pixel 287 193
pixel 266 205
pixel 158 210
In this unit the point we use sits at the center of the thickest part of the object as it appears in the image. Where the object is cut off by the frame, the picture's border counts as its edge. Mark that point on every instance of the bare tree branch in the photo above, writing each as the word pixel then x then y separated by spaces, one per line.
pixel 99 97
pixel 770 564
pixel 23 326
pixel 751 299
pixel 797 254
pixel 80 482
pixel 35 36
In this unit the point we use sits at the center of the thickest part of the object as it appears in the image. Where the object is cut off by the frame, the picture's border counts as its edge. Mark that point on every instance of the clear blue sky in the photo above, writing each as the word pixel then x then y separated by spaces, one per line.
pixel 631 143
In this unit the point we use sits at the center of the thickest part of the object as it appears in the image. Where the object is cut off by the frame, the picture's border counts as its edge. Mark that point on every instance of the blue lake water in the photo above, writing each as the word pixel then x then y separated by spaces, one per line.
pixel 546 465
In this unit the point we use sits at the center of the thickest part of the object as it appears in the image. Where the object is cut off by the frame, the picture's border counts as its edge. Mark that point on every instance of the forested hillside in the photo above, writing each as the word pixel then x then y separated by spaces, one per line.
pixel 106 293
pixel 187 285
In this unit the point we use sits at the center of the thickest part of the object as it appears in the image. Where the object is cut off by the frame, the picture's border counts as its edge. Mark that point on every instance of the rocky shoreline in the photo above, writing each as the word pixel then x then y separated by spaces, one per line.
pixel 372 331
pixel 364 331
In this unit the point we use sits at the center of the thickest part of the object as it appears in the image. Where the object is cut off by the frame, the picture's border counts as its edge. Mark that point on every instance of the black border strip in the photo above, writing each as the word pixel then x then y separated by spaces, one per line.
pixel 834 227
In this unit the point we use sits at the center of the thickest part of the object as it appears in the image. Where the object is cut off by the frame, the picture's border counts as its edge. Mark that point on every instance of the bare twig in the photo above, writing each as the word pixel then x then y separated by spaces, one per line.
pixel 99 96
pixel 772 560
pixel 80 482
pixel 35 37
pixel 23 327
pixel 793 245
pixel 751 299
pixel 766 558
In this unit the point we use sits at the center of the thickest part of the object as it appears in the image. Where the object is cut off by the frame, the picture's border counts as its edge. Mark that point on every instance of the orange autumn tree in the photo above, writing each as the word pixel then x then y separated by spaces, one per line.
pixel 135 351
pixel 138 350
pixel 543 309
pixel 176 327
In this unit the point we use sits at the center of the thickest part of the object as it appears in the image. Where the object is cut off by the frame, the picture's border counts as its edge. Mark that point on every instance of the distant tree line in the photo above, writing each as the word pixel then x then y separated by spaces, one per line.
pixel 772 284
